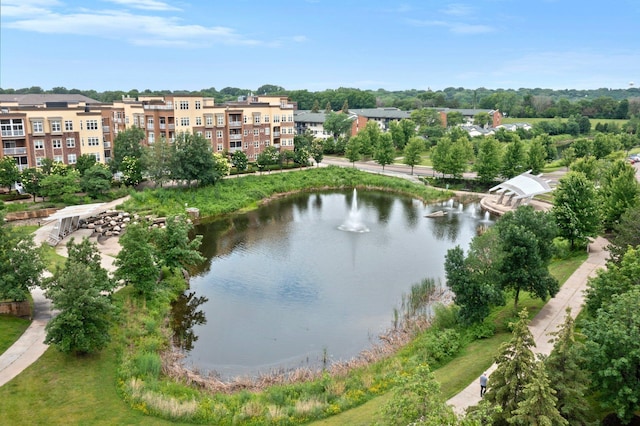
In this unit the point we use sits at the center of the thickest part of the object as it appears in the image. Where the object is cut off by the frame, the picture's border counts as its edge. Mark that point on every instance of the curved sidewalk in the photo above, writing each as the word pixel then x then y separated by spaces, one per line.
pixel 551 316
pixel 30 346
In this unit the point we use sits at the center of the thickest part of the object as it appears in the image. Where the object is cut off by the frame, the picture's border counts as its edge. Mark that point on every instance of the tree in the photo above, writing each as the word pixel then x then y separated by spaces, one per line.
pixel 613 353
pixel 337 123
pixel 488 160
pixel 566 374
pixel 352 150
pixel 345 107
pixel 538 406
pixel 55 185
pixel 412 152
pixel 537 156
pixel 401 132
pixel 454 118
pixel 317 151
pixel 619 191
pixel 450 156
pixel 84 163
pixel 127 143
pixel 369 137
pixel 268 157
pixel 156 160
pixel 239 160
pixel 526 243
pixel 80 290
pixel 137 263
pixel 576 208
pixel 514 159
pixel 384 152
pixel 327 108
pixel 515 362
pixel 31 179
pixel 131 168
pixel 9 172
pixel 482 119
pixel 96 180
pixel 174 248
pixel 568 156
pixel 469 295
pixel 625 234
pixel 417 398
pixel 316 106
pixel 20 263
pixel 193 160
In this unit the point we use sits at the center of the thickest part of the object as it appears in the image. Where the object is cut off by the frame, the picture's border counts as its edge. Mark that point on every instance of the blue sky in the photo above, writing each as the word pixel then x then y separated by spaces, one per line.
pixel 319 44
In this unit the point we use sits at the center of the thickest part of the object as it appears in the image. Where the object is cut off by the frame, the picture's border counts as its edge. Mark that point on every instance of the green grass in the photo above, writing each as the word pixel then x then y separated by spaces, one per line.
pixel 10 329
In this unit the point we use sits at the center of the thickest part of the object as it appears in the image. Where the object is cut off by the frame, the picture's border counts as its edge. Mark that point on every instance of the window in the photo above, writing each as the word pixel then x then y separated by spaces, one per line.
pixel 276 118
pixel 245 119
pixel 93 141
pixel 208 120
pixel 57 158
pixel 267 131
pixel 266 118
pixel 92 124
pixel 184 104
pixel 184 121
pixel 246 145
pixel 71 159
pixel 219 147
pixel 149 121
pixel 71 142
pixel 56 126
pixel 135 121
pixel 38 144
pixel 37 127
pixel 256 119
pixel 220 120
pixel 68 126
pixel 198 105
pixel 96 155
pixel 199 133
pixel 256 144
pixel 246 132
pixel 256 132
pixel 208 134
pixel 290 119
pixel 198 121
pixel 219 134
pixel 56 143
pixel 151 138
pixel 266 143
pixel 39 161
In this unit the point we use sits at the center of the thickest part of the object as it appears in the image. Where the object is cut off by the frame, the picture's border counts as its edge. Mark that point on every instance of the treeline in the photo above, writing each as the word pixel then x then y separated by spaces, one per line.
pixel 531 103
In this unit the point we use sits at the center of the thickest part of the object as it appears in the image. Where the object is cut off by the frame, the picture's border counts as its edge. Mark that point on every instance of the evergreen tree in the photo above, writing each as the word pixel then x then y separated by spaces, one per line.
pixel 567 377
pixel 539 404
pixel 515 362
pixel 316 106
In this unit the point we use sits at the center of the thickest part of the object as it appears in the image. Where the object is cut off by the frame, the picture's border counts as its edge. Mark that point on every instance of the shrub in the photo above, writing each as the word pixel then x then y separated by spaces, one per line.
pixel 147 364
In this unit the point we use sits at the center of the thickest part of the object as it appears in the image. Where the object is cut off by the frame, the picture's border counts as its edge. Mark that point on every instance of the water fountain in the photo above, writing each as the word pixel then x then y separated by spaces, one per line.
pixel 353 222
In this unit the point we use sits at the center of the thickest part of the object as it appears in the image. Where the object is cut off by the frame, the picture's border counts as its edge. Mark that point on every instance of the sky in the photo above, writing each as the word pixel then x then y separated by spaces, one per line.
pixel 319 44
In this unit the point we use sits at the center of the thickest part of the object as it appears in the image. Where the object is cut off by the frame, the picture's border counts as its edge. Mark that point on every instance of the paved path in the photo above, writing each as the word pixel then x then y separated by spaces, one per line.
pixel 30 346
pixel 552 315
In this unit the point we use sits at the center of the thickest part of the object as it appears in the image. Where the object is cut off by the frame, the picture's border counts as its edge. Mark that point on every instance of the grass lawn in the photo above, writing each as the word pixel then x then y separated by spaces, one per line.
pixel 10 329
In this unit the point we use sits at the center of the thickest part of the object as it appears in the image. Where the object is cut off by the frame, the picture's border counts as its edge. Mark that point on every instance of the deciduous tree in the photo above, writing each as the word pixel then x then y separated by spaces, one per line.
pixel 618 191
pixel 127 143
pixel 384 152
pixel 174 247
pixel 488 160
pixel 157 161
pixel 412 152
pixel 9 172
pixel 137 261
pixel 96 180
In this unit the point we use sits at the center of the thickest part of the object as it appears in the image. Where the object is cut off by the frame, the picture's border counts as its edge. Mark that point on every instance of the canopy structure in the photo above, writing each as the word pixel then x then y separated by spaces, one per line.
pixel 521 189
pixel 68 220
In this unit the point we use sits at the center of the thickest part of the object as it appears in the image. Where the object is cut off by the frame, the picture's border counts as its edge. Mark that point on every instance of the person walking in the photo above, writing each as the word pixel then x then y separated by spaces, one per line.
pixel 483 384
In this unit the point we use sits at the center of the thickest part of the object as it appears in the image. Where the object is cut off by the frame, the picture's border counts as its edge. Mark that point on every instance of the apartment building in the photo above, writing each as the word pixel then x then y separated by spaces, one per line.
pixel 63 127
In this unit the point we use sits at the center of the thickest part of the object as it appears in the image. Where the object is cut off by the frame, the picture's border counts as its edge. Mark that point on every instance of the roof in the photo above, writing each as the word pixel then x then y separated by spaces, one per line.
pixel 467 112
pixel 391 113
pixel 82 210
pixel 525 185
pixel 27 99
pixel 306 116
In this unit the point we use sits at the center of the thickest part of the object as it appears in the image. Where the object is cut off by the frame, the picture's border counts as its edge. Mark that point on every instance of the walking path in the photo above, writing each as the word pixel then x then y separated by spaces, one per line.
pixel 551 316
pixel 30 346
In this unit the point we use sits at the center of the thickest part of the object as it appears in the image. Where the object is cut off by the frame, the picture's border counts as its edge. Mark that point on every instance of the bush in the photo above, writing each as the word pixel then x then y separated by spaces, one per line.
pixel 482 330
pixel 147 365
pixel 445 316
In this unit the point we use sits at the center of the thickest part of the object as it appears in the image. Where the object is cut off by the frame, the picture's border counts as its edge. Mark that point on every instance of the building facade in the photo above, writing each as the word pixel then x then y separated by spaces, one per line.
pixel 63 127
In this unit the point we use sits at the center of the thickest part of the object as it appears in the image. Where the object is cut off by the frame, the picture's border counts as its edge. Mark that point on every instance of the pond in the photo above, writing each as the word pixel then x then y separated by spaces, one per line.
pixel 284 287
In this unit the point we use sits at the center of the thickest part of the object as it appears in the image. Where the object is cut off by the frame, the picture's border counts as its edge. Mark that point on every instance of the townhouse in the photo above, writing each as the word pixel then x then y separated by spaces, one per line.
pixel 63 127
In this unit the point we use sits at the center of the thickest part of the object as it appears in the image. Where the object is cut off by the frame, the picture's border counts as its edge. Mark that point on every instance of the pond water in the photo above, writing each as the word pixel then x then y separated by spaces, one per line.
pixel 283 287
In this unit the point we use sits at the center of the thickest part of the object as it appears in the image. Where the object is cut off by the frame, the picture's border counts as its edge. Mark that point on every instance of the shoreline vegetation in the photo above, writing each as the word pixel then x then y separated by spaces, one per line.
pixel 141 375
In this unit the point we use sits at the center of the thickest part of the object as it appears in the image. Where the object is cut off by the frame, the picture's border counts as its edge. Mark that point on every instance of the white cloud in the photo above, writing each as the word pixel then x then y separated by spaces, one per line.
pixel 300 38
pixel 145 4
pixel 11 8
pixel 136 29
pixel 457 9
pixel 454 27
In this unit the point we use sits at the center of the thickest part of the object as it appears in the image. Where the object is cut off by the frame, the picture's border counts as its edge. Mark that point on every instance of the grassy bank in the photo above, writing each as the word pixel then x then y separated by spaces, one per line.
pixel 247 192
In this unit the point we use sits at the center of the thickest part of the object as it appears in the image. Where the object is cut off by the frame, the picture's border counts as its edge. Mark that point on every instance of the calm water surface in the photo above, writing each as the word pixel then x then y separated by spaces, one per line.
pixel 284 287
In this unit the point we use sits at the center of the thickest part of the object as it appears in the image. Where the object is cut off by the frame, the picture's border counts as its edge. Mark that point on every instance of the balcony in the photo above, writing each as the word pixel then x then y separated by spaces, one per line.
pixel 15 151
pixel 106 145
pixel 235 124
pixel 106 129
pixel 235 137
pixel 276 134
pixel 150 127
pixel 171 126
pixel 12 133
pixel 158 107
pixel 162 126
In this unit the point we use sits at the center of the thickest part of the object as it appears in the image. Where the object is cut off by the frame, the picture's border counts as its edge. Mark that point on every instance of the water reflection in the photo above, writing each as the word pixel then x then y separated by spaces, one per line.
pixel 184 315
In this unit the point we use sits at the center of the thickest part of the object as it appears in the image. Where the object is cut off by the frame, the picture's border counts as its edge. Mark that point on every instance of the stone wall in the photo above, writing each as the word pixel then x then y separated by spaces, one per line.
pixel 18 309
pixel 29 214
